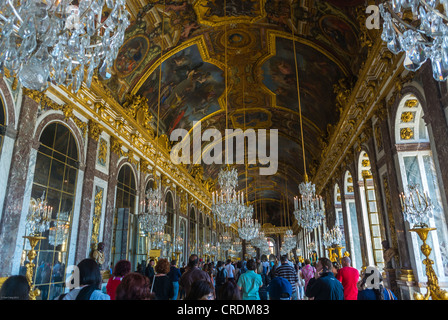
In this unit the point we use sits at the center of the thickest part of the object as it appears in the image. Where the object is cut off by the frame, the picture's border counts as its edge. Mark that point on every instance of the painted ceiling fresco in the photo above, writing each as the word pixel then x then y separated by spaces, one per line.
pixel 250 42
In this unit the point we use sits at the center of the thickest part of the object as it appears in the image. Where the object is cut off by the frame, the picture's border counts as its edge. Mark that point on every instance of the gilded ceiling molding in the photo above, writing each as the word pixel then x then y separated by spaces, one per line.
pixel 202 8
pixel 47 102
pixel 94 103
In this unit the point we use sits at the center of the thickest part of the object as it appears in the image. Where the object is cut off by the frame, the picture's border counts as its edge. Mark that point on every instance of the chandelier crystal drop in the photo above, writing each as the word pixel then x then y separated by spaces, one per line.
pixel 227 205
pixel 51 41
pixel 309 208
pixel 58 233
pixel 419 29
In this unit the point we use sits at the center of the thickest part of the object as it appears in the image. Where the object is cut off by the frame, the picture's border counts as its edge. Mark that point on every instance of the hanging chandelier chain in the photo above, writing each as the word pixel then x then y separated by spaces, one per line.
pixel 298 90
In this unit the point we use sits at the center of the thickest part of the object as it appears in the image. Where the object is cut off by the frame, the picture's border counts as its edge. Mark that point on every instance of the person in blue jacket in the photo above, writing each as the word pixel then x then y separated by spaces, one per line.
pixel 324 285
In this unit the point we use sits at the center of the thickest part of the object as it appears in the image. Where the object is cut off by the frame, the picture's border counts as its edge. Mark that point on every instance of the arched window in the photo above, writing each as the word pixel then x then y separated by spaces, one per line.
pixel 192 244
pixel 370 212
pixel 271 245
pixel 352 221
pixel 208 230
pixel 124 211
pixel 55 182
pixel 339 215
pixel 169 227
pixel 182 233
pixel 143 239
pixel 417 168
pixel 201 233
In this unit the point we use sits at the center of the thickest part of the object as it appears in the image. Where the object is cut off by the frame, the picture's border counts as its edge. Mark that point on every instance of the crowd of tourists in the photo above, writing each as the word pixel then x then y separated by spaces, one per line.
pixel 224 280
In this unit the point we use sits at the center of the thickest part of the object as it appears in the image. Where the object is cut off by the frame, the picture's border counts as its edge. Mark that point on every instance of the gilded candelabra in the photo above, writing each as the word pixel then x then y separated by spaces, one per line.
pixel 417 209
pixel 37 222
pixel 434 290
pixel 34 240
pixel 332 255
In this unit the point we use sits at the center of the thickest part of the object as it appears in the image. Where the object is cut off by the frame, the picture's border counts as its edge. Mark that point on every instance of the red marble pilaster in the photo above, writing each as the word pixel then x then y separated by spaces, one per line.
pixel 110 205
pixel 82 250
pixel 16 183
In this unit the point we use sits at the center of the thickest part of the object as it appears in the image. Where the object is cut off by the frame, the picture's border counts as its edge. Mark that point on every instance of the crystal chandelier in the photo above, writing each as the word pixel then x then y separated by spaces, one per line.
pixel 309 208
pixel 227 205
pixel 289 242
pixel 264 248
pixel 237 245
pixel 159 240
pixel 39 216
pixel 250 250
pixel 311 246
pixel 226 241
pixel 58 234
pixel 45 41
pixel 153 217
pixel 213 251
pixel 178 244
pixel 259 240
pixel 419 29
pixel 416 207
pixel 248 227
pixel 332 237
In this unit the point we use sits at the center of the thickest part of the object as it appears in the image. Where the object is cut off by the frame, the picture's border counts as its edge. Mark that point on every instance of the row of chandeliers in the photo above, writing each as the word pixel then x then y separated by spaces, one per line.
pixel 228 204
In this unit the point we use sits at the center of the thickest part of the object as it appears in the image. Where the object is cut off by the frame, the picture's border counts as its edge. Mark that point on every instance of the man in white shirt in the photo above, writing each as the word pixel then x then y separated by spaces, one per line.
pixel 230 269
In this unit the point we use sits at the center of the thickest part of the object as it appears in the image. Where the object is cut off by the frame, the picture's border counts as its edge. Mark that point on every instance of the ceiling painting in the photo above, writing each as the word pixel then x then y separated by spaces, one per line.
pixel 250 42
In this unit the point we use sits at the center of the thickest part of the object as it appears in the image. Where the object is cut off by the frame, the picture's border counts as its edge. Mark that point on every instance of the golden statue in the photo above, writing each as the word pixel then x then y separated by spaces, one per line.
pixel 98 254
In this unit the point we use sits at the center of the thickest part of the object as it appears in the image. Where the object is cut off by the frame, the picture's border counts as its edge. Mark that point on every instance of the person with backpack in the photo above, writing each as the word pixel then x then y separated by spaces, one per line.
pixel 221 275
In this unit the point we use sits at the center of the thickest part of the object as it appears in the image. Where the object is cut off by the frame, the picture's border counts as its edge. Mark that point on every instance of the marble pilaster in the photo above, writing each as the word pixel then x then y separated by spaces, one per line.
pixel 110 205
pixel 398 221
pixel 16 182
pixel 82 250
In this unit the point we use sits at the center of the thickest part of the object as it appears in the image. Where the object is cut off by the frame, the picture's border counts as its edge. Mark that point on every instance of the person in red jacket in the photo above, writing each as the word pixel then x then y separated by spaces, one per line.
pixel 349 278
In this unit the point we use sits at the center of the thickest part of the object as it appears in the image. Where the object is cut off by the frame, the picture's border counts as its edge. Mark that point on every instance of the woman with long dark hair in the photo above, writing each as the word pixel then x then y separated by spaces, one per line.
pixel 89 279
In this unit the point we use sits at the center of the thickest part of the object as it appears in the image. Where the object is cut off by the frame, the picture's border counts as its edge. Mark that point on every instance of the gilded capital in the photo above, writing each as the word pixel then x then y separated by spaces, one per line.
pixel 94 130
pixel 116 145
